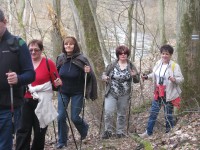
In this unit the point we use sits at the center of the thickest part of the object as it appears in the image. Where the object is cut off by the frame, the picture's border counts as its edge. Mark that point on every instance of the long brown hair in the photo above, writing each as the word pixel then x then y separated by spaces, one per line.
pixel 71 39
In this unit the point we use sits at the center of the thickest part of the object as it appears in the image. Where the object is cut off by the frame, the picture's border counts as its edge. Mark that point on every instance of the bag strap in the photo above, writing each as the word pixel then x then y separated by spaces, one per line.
pixel 47 63
pixel 48 67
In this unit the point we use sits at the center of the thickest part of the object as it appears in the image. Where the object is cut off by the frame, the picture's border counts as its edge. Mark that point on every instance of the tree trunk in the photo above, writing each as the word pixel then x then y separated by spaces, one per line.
pixel 162 22
pixel 90 45
pixel 93 5
pixel 20 14
pixel 188 47
pixel 130 28
pixel 56 32
pixel 135 30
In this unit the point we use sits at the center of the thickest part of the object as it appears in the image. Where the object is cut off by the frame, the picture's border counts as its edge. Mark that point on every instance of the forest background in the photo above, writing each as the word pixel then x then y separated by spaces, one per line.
pixel 100 26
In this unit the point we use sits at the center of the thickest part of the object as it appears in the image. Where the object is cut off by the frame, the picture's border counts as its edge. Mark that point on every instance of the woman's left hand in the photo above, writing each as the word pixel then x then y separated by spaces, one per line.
pixel 57 82
pixel 172 79
pixel 87 69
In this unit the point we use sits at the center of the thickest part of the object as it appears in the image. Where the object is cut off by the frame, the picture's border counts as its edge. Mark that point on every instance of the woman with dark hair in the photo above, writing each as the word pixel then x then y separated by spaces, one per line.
pixel 73 67
pixel 167 77
pixel 37 110
pixel 118 77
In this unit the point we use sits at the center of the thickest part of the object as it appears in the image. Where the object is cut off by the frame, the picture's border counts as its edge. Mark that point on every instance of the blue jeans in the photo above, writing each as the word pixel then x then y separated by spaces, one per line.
pixel 76 107
pixel 155 108
pixel 6 127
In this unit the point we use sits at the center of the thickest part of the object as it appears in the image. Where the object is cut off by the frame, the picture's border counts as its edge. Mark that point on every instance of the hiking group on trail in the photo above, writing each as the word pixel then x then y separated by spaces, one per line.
pixel 28 80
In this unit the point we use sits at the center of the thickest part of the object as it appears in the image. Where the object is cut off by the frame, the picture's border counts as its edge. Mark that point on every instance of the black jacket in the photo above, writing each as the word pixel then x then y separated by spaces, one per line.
pixel 15 57
pixel 79 60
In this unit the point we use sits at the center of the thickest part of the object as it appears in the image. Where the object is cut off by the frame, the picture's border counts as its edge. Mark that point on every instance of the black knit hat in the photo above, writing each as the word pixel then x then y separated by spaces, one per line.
pixel 2 17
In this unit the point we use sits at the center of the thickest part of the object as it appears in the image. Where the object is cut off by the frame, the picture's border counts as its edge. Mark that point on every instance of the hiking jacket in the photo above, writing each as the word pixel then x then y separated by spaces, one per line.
pixel 80 61
pixel 15 57
pixel 173 90
pixel 108 72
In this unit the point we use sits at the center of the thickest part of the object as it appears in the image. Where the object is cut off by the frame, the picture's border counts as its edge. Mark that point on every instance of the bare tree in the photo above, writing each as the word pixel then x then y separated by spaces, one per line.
pixel 57 32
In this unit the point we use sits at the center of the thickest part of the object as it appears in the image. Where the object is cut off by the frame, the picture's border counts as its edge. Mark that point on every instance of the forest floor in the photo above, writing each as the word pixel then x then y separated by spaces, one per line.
pixel 184 136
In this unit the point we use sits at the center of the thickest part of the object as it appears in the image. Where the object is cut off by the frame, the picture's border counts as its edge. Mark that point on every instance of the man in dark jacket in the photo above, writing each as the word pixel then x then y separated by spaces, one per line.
pixel 16 72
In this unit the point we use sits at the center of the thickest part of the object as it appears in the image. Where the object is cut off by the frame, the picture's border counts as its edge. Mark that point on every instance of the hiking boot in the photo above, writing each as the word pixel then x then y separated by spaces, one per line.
pixel 144 135
pixel 106 135
pixel 61 146
pixel 122 135
pixel 85 133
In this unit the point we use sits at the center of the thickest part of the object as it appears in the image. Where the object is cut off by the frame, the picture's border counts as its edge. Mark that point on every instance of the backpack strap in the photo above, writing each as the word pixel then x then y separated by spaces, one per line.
pixel 14 43
pixel 173 66
pixel 111 67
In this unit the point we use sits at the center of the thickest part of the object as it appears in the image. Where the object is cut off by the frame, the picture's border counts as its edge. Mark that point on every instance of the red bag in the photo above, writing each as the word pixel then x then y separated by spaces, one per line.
pixel 161 90
pixel 176 102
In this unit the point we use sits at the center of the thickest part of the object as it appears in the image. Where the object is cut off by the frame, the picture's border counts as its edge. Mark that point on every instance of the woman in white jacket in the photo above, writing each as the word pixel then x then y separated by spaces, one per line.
pixel 166 76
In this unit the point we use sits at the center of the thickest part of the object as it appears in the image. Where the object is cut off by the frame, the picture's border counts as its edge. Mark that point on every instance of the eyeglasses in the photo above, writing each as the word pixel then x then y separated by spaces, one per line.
pixel 34 49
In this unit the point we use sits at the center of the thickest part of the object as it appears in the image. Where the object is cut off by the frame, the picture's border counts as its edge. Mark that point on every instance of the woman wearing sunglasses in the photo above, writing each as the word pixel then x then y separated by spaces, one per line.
pixel 38 110
pixel 118 77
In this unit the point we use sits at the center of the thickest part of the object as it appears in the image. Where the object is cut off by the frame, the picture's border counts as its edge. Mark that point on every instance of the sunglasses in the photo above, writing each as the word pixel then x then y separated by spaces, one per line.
pixel 122 53
pixel 36 50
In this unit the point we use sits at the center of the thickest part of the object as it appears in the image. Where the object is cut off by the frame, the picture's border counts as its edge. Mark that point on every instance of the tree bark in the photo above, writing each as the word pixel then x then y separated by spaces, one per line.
pixel 162 22
pixel 57 28
pixel 90 45
pixel 93 5
pixel 20 14
pixel 188 47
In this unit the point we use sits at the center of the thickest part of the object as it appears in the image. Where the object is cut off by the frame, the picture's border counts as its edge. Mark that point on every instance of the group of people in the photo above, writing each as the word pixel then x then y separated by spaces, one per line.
pixel 26 90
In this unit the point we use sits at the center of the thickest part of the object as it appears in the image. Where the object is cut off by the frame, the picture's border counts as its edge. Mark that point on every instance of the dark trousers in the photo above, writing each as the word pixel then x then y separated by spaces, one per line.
pixel 28 121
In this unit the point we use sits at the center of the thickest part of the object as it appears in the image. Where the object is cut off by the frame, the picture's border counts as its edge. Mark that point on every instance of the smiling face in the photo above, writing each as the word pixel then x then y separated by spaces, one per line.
pixel 69 46
pixel 165 56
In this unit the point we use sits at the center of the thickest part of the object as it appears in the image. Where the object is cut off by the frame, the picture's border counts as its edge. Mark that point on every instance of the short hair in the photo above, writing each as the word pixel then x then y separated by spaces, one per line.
pixel 167 48
pixel 121 49
pixel 72 40
pixel 2 16
pixel 38 42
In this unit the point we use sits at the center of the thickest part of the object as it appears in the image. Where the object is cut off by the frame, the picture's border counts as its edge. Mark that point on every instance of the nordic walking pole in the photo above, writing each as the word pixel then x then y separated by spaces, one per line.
pixel 84 94
pixel 54 127
pixel 12 107
pixel 70 126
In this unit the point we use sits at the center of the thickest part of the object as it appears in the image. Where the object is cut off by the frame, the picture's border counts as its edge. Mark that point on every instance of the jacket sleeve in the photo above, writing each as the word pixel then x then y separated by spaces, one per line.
pixel 60 60
pixel 178 74
pixel 27 73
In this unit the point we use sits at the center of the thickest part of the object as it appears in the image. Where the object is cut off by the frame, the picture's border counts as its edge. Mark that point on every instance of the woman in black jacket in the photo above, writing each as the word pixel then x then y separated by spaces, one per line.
pixel 73 66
